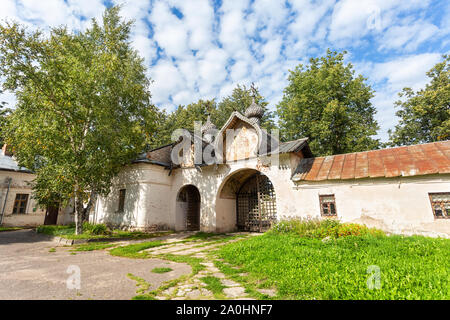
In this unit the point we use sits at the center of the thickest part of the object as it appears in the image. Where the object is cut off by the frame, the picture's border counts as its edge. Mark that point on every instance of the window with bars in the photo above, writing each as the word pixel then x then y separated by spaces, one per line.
pixel 20 204
pixel 440 203
pixel 328 205
pixel 121 200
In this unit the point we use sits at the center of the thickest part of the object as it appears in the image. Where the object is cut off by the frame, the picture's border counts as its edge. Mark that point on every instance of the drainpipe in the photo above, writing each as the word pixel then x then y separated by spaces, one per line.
pixel 6 198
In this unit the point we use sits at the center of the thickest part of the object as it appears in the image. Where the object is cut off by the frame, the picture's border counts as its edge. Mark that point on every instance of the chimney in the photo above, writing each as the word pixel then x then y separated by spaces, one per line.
pixel 7 150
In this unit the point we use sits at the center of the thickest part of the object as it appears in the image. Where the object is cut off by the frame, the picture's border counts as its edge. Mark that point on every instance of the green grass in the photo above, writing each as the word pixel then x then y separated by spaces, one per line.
pixel 93 246
pixel 214 285
pixel 142 285
pixel 134 250
pixel 161 270
pixel 2 229
pixel 304 268
pixel 68 232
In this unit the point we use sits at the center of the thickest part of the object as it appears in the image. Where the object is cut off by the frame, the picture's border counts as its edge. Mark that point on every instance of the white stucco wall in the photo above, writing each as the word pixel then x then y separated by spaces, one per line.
pixel 147 199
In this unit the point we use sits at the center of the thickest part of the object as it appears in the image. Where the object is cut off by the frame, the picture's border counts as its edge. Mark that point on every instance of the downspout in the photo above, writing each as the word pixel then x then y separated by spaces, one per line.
pixel 6 198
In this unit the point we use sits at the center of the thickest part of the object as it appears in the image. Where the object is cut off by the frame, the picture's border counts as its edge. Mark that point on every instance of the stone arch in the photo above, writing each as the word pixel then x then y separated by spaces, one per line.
pixel 187 213
pixel 246 201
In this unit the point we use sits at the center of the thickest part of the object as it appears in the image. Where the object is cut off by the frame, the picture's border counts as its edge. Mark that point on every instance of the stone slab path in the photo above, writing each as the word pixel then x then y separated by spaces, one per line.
pixel 194 287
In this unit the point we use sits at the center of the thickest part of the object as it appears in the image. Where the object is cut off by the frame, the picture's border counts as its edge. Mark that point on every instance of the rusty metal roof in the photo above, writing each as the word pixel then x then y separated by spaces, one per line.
pixel 421 159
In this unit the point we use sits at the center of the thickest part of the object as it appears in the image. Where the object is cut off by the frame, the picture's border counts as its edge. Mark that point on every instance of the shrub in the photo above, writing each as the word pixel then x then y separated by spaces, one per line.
pixel 96 229
pixel 320 229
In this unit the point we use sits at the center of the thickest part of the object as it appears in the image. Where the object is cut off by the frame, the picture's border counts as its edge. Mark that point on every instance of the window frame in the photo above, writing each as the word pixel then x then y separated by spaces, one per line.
pixel 122 196
pixel 321 198
pixel 17 203
pixel 432 203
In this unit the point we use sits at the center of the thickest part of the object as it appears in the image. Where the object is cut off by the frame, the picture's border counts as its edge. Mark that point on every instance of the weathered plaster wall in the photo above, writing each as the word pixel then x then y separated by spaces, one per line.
pixel 34 215
pixel 244 143
pixel 397 205
pixel 19 184
pixel 148 193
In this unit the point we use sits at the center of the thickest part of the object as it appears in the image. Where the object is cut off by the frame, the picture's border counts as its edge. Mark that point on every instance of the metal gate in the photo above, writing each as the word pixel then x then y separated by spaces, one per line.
pixel 256 204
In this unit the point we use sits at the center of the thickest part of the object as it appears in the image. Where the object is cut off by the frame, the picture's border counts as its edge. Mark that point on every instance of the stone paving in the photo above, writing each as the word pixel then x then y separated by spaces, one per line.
pixel 193 288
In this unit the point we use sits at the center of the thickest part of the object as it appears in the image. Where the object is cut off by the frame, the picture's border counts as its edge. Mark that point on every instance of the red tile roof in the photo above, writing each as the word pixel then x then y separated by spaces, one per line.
pixel 421 159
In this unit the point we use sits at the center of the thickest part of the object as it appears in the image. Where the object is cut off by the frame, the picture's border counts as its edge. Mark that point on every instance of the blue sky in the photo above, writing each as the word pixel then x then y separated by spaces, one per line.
pixel 201 49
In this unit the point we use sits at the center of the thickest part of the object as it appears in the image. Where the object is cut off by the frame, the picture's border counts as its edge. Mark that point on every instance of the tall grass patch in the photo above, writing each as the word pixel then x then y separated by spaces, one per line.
pixel 301 265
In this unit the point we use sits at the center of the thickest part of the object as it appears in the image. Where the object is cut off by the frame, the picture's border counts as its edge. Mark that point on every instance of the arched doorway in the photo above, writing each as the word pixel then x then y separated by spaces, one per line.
pixel 188 207
pixel 254 200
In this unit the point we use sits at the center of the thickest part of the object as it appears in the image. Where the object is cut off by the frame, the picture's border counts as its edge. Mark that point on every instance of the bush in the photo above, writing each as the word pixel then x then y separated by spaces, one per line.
pixel 97 229
pixel 320 229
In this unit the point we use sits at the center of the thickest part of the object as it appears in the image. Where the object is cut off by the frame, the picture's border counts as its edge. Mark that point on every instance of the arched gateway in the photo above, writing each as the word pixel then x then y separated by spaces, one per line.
pixel 254 197
pixel 188 202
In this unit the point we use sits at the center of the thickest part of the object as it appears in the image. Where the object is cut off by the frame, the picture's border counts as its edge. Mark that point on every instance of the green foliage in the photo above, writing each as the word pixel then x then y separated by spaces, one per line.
pixel 303 268
pixel 97 229
pixel 161 270
pixel 327 103
pixel 184 116
pixel 214 285
pixel 4 112
pixel 93 246
pixel 134 250
pixel 239 100
pixel 83 107
pixel 320 229
pixel 4 229
pixel 425 114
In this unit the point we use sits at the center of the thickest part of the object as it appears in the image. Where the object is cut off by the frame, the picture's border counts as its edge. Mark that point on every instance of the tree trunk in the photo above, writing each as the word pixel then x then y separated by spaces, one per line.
pixel 91 203
pixel 78 215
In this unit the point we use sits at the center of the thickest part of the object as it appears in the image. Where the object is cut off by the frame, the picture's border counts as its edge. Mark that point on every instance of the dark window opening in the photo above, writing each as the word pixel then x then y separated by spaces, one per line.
pixel 20 204
pixel 121 200
pixel 328 205
pixel 440 203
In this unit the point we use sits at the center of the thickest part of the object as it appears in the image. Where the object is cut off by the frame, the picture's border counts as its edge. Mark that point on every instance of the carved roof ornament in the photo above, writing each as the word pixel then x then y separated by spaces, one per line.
pixel 208 125
pixel 207 129
pixel 254 112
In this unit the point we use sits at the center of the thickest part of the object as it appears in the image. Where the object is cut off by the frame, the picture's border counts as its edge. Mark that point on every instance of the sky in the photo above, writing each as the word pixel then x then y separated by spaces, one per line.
pixel 201 49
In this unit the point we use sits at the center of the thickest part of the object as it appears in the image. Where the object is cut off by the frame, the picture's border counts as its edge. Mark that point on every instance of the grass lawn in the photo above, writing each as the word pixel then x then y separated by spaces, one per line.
pixel 308 268
pixel 9 229
pixel 68 232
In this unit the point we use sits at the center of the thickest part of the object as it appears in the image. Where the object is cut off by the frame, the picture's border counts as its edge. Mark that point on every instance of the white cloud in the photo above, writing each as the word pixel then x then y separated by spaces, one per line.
pixel 170 32
pixel 206 51
pixel 406 71
pixel 408 36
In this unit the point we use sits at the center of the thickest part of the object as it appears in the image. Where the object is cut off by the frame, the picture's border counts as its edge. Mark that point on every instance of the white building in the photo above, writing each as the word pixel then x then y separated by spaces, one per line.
pixel 17 206
pixel 401 190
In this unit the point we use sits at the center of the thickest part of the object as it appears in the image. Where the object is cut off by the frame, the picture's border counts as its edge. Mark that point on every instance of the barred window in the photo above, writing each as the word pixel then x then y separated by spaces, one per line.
pixel 20 204
pixel 328 205
pixel 440 203
pixel 121 200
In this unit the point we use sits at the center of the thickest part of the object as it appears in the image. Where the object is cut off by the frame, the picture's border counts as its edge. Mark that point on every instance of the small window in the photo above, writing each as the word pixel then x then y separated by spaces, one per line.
pixel 20 204
pixel 440 203
pixel 121 199
pixel 328 206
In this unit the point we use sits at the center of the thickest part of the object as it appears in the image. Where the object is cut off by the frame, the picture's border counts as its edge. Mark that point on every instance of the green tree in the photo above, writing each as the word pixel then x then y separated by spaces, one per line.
pixel 182 117
pixel 239 100
pixel 425 114
pixel 185 116
pixel 4 112
pixel 326 102
pixel 83 107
